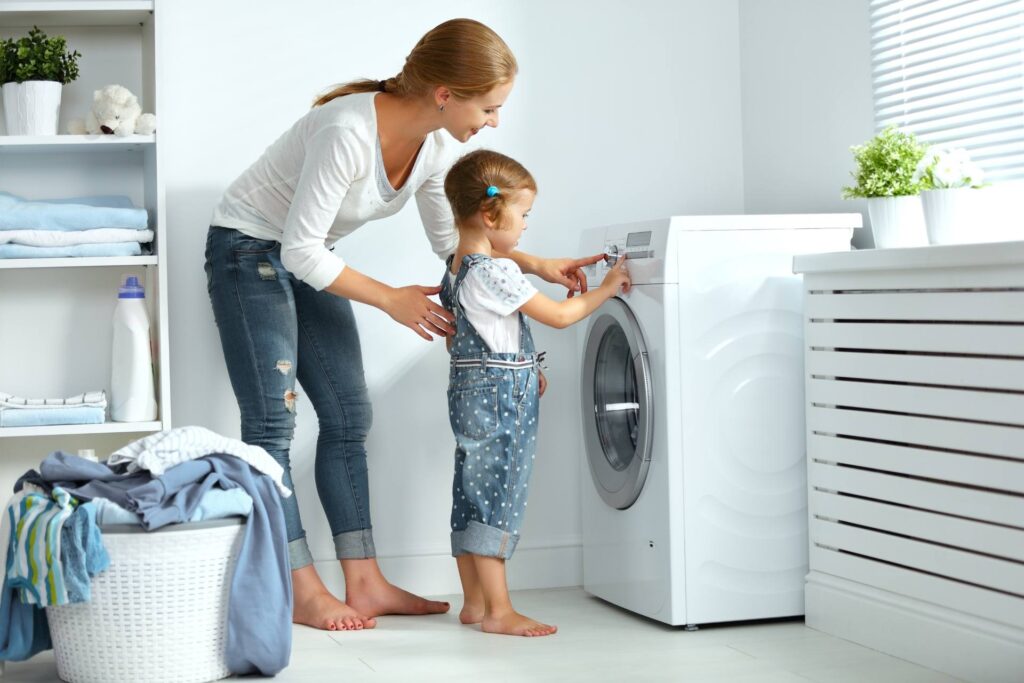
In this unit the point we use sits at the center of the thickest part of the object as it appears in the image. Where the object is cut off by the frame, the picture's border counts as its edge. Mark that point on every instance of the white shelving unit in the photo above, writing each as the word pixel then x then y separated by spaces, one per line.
pixel 914 362
pixel 55 313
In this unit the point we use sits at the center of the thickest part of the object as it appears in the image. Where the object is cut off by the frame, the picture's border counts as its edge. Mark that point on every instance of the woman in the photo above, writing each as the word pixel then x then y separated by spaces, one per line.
pixel 281 296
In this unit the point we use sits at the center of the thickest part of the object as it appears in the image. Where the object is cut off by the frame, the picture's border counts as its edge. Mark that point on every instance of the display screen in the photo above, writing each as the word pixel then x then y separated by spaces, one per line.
pixel 638 239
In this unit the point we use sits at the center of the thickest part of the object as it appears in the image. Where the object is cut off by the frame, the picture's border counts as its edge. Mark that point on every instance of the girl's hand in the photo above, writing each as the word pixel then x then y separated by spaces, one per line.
pixel 411 307
pixel 617 277
pixel 567 272
pixel 543 384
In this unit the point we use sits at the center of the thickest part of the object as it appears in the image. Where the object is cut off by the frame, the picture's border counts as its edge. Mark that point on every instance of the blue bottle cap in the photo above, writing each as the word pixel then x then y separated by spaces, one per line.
pixel 131 289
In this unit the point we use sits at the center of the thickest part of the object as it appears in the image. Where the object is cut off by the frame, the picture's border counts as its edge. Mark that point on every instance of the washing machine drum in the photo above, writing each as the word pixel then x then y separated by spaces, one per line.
pixel 617 408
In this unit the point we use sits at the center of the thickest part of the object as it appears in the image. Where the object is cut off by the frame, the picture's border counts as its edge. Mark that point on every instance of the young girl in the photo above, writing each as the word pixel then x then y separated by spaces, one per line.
pixel 495 378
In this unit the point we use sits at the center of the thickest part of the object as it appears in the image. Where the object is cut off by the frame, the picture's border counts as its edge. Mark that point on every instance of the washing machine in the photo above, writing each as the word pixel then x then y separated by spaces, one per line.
pixel 694 478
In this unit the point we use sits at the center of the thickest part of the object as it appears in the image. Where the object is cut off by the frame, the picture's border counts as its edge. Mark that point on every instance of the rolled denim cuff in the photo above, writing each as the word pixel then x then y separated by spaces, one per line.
pixel 354 545
pixel 298 554
pixel 480 539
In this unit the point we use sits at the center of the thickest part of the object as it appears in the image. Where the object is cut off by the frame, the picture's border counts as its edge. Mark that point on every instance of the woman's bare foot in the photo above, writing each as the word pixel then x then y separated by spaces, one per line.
pixel 369 593
pixel 315 606
pixel 326 612
pixel 375 596
pixel 472 613
pixel 515 624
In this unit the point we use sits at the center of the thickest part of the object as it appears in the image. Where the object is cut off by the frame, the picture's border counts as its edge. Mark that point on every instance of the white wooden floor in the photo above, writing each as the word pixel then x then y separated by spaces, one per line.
pixel 595 642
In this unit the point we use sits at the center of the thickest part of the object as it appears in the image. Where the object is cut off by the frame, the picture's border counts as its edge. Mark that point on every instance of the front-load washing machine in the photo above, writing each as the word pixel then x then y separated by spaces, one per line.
pixel 693 494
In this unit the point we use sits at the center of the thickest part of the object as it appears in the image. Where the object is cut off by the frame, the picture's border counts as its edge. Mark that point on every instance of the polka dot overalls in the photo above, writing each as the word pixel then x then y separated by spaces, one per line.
pixel 493 410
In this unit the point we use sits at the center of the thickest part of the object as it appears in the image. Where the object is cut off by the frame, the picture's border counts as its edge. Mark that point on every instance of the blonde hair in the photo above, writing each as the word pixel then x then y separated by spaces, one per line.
pixel 462 54
pixel 469 178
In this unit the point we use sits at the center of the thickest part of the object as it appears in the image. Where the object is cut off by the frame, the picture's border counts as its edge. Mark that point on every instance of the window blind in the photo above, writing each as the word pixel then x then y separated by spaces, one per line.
pixel 952 73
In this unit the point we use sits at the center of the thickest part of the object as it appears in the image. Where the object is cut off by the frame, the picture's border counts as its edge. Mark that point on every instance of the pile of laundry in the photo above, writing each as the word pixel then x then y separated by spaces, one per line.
pixel 79 226
pixel 84 409
pixel 52 532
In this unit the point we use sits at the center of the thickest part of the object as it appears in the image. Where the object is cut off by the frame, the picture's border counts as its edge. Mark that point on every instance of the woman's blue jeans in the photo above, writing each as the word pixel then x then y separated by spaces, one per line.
pixel 276 329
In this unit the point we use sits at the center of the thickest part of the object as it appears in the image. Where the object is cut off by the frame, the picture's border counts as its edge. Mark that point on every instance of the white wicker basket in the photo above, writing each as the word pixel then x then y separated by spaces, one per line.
pixel 158 613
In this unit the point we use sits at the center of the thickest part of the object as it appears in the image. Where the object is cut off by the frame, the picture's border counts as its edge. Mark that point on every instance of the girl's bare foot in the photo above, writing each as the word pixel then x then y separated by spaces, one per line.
pixel 515 624
pixel 472 613
pixel 377 597
pixel 326 612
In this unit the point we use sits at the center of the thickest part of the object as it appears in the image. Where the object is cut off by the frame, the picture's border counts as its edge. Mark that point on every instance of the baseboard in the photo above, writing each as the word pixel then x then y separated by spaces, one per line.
pixel 549 566
pixel 935 637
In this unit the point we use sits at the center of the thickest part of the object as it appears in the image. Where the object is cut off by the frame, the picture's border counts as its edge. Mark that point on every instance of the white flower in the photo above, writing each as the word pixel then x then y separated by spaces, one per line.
pixel 947 174
pixel 973 175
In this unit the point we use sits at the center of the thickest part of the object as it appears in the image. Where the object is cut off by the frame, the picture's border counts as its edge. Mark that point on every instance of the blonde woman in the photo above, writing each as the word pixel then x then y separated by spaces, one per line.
pixel 281 296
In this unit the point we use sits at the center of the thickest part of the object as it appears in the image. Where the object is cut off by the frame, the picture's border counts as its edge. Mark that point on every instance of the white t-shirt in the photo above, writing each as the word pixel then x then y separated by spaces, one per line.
pixel 490 297
pixel 318 182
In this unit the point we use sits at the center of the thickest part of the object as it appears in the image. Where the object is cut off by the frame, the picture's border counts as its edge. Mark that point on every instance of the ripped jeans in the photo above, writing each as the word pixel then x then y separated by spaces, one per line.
pixel 274 330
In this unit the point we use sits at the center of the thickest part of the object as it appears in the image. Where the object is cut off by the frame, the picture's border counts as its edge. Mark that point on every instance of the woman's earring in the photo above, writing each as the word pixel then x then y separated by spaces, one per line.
pixel 441 108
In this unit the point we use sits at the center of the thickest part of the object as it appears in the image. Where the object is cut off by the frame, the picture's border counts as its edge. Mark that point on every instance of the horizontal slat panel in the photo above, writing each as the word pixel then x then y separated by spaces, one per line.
pixel 999 340
pixel 988 604
pixel 986 406
pixel 966 436
pixel 976 306
pixel 988 572
pixel 972 470
pixel 984 373
pixel 962 533
pixel 971 503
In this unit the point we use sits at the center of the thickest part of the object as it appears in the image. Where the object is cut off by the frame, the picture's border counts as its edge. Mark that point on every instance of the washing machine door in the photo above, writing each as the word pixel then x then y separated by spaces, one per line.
pixel 618 415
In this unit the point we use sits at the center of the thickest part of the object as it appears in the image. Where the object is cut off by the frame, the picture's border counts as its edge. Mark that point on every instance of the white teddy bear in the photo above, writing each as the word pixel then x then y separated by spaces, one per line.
pixel 115 110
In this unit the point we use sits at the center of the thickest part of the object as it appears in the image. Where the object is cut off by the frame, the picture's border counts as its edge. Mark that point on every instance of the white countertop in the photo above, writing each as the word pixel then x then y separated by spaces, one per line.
pixel 940 256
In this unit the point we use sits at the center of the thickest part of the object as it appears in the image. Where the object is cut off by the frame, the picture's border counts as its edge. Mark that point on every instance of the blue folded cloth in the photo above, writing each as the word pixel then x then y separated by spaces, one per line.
pixel 106 249
pixel 215 504
pixel 80 213
pixel 38 417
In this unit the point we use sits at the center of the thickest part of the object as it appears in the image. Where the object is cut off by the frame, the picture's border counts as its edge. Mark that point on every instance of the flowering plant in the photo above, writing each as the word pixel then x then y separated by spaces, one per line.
pixel 885 166
pixel 941 168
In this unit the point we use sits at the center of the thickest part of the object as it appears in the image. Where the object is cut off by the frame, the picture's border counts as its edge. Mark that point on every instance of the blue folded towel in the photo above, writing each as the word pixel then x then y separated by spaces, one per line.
pixel 99 249
pixel 36 417
pixel 80 213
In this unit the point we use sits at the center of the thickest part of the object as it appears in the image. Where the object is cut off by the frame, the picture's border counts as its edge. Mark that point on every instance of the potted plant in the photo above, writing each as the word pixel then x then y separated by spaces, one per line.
pixel 885 176
pixel 33 69
pixel 948 178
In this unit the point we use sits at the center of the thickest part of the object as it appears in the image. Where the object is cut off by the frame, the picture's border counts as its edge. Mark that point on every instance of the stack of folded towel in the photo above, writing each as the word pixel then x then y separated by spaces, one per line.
pixel 83 409
pixel 83 226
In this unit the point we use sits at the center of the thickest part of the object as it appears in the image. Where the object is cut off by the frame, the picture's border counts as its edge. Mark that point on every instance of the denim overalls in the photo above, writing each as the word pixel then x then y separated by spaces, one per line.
pixel 492 407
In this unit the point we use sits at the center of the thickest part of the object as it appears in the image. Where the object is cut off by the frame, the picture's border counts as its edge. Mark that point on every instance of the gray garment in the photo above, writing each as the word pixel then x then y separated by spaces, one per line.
pixel 259 633
pixel 387 193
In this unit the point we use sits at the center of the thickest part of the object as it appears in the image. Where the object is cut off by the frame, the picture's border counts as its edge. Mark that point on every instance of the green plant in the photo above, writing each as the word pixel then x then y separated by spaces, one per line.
pixel 886 165
pixel 36 57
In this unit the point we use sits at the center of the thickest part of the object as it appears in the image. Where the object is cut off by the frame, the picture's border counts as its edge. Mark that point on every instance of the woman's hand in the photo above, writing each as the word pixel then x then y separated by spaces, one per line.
pixel 542 385
pixel 411 307
pixel 567 272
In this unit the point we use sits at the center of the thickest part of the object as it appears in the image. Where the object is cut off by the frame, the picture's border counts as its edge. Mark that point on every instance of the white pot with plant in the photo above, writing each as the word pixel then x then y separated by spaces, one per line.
pixel 949 181
pixel 33 70
pixel 885 177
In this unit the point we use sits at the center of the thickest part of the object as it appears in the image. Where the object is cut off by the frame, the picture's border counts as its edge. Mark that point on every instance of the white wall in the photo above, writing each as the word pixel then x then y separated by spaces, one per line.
pixel 620 114
pixel 806 75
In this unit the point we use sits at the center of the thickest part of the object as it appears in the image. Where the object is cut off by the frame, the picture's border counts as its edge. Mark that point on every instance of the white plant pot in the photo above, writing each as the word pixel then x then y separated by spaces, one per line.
pixel 951 217
pixel 32 107
pixel 897 222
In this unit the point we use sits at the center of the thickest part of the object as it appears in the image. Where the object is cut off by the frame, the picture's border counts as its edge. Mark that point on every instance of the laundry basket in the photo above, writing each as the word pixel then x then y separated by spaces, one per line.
pixel 159 613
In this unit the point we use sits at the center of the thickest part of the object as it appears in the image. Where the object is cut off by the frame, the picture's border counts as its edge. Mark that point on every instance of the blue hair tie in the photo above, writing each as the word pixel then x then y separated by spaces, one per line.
pixel 493 190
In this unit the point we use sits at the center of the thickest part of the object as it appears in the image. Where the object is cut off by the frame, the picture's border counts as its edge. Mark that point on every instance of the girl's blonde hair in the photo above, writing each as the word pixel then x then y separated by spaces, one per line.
pixel 462 54
pixel 470 180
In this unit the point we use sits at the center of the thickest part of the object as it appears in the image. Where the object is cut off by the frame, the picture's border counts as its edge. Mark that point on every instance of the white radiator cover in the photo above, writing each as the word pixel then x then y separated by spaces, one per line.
pixel 914 363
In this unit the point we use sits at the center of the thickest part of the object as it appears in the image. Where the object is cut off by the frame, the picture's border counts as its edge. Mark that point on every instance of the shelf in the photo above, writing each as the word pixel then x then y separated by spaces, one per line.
pixel 78 262
pixel 75 13
pixel 75 143
pixel 64 430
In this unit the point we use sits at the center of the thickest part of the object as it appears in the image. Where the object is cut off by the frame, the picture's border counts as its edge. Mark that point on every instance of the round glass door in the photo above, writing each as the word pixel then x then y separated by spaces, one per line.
pixel 617 408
